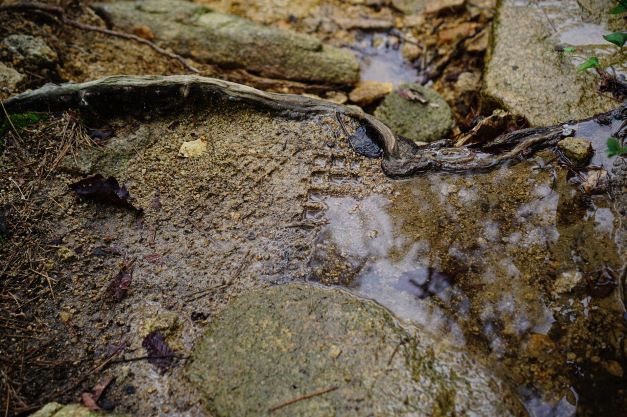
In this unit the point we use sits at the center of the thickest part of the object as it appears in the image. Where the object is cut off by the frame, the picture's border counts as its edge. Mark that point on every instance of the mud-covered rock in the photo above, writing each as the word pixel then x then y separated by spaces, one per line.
pixel 577 150
pixel 417 113
pixel 367 92
pixel 230 41
pixel 9 78
pixel 33 50
pixel 528 74
pixel 285 342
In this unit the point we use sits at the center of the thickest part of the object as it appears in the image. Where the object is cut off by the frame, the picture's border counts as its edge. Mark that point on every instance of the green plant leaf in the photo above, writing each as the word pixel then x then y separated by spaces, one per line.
pixel 617 38
pixel 618 9
pixel 568 50
pixel 614 148
pixel 19 121
pixel 592 62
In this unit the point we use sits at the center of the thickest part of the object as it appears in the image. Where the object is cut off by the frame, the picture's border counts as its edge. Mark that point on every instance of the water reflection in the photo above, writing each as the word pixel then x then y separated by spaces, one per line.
pixel 476 260
pixel 382 60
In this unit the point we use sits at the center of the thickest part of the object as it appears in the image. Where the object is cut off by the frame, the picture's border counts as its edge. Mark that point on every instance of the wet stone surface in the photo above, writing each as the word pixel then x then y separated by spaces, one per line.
pixel 527 72
pixel 516 264
pixel 276 345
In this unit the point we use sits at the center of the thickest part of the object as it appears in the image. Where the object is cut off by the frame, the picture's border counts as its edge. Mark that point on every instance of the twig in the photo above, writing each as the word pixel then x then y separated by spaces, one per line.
pixel 135 38
pixel 18 188
pixel 141 358
pixel 6 409
pixel 4 110
pixel 197 295
pixel 545 15
pixel 59 12
pixel 394 352
pixel 48 279
pixel 304 397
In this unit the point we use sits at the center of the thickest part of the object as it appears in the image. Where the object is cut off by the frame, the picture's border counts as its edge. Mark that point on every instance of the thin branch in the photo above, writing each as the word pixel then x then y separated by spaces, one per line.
pixel 304 397
pixel 142 358
pixel 6 115
pixel 60 13
pixel 135 38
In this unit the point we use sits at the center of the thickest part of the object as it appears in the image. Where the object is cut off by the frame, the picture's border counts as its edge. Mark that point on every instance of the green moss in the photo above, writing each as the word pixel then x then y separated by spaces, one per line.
pixel 18 122
pixel 414 120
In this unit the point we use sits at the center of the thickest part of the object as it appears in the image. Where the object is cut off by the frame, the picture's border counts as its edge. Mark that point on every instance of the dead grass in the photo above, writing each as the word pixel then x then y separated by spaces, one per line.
pixel 28 360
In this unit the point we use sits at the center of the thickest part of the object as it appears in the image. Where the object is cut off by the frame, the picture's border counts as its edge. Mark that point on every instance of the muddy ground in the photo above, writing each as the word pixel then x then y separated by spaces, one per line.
pixel 277 200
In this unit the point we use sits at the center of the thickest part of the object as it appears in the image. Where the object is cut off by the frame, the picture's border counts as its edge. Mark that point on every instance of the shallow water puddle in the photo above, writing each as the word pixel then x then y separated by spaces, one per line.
pixel 382 60
pixel 497 263
pixel 597 131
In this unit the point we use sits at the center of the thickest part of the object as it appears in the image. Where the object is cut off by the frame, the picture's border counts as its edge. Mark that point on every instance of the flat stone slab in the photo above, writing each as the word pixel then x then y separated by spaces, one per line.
pixel 340 355
pixel 230 41
pixel 527 74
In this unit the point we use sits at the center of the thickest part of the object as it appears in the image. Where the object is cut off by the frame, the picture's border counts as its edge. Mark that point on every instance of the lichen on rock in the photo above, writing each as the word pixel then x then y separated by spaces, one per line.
pixel 419 121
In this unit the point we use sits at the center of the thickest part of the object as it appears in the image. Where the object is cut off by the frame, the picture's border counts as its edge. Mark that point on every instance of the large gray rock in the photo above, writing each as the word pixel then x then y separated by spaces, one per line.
pixel 526 74
pixel 420 121
pixel 285 342
pixel 33 50
pixel 229 41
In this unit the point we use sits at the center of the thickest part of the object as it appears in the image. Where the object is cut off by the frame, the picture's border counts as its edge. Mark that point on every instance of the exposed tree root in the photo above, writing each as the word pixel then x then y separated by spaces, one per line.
pixel 130 94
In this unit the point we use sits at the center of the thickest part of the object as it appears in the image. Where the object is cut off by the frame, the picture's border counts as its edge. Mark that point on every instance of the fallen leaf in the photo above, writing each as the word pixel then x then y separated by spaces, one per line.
pixel 193 148
pixel 118 287
pixel 4 229
pixel 101 190
pixel 89 402
pixel 100 135
pixel 499 122
pixel 90 399
pixel 159 353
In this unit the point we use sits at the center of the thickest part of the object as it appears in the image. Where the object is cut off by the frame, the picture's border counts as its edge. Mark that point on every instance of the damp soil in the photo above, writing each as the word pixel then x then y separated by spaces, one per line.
pixel 241 216
pixel 511 265
pixel 516 266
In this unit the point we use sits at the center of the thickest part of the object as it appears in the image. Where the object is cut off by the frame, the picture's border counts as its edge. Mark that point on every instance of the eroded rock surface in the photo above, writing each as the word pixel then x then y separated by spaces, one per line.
pixel 278 195
pixel 230 41
pixel 528 74
pixel 274 345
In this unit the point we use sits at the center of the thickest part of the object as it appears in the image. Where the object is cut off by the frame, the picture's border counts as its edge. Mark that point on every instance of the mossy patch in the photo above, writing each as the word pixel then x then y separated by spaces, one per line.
pixel 18 122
